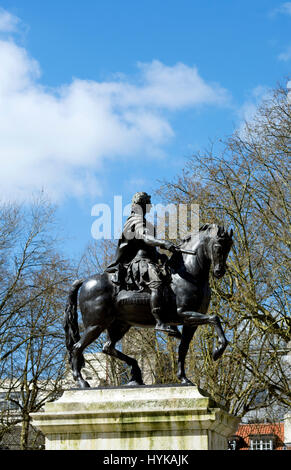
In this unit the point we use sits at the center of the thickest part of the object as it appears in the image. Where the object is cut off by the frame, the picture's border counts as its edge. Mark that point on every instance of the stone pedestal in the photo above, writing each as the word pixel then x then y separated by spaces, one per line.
pixel 141 418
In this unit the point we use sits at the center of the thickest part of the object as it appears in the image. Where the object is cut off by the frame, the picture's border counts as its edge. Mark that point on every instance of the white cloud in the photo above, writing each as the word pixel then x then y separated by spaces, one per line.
pixel 8 23
pixel 284 8
pixel 58 138
pixel 248 111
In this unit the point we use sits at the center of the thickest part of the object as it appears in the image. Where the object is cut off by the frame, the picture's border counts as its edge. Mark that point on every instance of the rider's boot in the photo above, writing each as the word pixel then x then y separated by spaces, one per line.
pixel 160 326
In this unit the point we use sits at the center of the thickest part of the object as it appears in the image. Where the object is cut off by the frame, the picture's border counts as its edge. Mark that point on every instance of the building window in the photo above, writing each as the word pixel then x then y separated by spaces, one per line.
pixel 9 402
pixel 262 443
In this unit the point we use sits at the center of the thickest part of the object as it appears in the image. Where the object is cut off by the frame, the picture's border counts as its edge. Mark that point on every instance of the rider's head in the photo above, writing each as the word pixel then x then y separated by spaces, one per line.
pixel 141 200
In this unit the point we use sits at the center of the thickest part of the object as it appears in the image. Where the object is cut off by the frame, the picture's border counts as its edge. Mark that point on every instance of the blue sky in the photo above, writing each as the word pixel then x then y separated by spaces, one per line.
pixel 104 98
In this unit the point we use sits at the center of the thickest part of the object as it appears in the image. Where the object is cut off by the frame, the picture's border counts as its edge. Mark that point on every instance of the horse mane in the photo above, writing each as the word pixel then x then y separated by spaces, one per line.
pixel 217 230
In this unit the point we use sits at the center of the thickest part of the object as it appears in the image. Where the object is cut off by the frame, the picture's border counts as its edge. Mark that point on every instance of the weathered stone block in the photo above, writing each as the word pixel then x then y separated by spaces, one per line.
pixel 147 417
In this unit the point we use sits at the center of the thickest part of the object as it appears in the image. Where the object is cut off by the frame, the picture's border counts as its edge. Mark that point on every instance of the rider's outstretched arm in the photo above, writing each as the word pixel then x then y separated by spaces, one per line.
pixel 143 233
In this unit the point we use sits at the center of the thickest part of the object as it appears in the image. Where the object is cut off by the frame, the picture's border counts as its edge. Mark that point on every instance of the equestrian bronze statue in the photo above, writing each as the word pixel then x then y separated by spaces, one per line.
pixel 146 289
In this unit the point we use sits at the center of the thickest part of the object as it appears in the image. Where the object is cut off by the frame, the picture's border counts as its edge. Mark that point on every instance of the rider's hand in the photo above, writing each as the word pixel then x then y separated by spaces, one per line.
pixel 169 246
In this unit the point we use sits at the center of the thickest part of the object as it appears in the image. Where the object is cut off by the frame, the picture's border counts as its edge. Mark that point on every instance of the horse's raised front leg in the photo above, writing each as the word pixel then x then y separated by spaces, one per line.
pixel 187 335
pixel 196 319
pixel 222 341
pixel 115 332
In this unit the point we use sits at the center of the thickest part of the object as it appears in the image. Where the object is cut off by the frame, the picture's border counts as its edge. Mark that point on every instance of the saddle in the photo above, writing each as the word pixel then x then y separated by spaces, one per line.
pixel 125 294
pixel 131 297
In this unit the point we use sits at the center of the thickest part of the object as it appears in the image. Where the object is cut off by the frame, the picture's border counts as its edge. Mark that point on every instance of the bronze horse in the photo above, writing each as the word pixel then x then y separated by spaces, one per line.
pixel 187 302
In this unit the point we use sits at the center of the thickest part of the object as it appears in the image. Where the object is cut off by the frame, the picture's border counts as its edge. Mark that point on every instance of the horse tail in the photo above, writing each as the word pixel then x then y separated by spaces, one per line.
pixel 70 322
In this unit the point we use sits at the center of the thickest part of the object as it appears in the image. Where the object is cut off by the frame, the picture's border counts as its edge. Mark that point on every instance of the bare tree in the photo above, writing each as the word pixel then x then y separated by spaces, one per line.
pixel 244 182
pixel 34 277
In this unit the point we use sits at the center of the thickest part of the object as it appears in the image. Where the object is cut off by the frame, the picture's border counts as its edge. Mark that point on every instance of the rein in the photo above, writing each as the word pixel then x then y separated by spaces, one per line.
pixel 184 273
pixel 187 252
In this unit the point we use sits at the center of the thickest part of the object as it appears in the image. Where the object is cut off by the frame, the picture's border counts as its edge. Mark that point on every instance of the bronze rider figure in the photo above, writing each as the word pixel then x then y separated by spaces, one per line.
pixel 138 257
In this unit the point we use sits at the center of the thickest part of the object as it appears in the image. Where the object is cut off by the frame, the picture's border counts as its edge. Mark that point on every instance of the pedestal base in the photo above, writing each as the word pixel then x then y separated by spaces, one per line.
pixel 147 417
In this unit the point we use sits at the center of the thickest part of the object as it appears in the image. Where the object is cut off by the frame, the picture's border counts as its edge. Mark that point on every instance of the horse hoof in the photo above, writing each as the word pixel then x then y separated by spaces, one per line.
pixel 216 355
pixel 134 383
pixel 217 352
pixel 187 382
pixel 83 384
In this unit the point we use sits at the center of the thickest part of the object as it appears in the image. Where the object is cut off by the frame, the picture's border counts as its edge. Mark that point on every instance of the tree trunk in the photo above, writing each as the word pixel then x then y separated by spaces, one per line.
pixel 24 438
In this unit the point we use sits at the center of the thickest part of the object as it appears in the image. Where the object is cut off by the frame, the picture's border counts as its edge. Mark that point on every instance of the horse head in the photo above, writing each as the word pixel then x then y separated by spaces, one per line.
pixel 218 242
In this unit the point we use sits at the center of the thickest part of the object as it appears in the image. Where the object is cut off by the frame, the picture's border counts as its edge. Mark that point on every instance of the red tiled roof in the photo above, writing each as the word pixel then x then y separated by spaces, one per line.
pixel 260 429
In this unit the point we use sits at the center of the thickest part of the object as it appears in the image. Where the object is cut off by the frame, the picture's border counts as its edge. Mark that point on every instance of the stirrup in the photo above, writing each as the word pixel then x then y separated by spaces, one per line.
pixel 166 329
pixel 176 333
